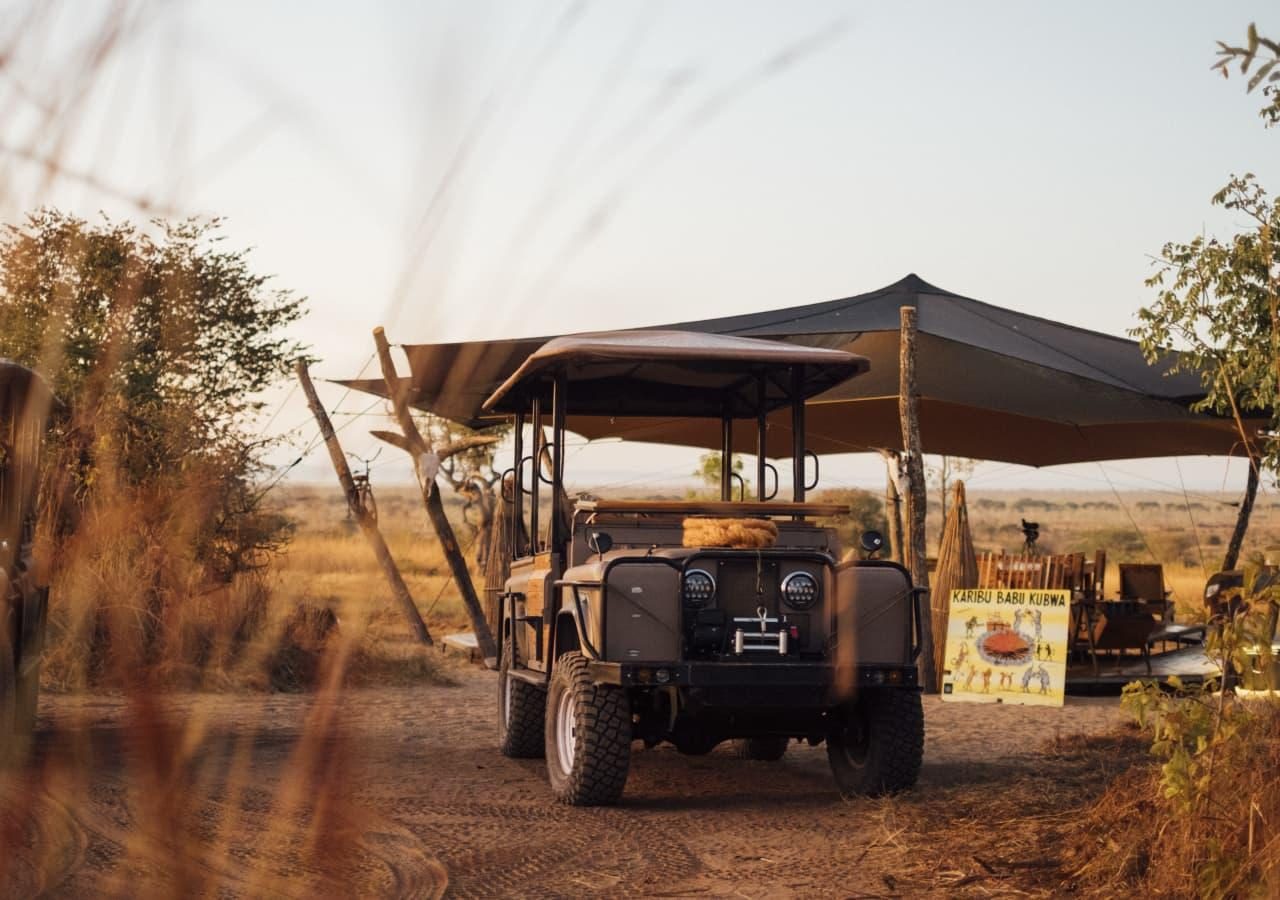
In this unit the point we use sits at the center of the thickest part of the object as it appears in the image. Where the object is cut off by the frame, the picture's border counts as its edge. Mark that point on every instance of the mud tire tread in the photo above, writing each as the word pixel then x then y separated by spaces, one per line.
pixel 603 722
pixel 895 750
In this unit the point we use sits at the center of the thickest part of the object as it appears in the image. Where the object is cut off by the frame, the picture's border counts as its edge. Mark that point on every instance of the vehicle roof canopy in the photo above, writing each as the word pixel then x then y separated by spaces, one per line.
pixel 672 373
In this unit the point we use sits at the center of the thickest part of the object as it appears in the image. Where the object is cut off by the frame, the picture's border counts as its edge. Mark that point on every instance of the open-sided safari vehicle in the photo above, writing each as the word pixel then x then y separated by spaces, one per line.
pixel 24 406
pixel 694 622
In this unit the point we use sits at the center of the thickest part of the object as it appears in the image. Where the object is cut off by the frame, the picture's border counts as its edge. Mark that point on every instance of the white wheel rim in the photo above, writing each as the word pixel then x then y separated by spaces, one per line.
pixel 566 731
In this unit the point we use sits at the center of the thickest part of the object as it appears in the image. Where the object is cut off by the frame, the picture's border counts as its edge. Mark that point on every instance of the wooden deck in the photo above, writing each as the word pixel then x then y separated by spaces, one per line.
pixel 465 642
pixel 1188 663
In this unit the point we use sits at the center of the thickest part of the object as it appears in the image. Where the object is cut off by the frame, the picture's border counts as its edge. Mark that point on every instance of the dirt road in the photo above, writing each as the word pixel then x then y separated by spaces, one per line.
pixel 429 805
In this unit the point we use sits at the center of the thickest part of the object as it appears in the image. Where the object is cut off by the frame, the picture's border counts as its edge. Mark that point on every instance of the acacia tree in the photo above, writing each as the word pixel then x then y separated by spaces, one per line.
pixel 1218 301
pixel 471 474
pixel 708 472
pixel 158 343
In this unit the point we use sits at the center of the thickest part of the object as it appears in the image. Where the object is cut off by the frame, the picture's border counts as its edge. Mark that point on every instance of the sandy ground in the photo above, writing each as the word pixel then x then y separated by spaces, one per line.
pixel 437 808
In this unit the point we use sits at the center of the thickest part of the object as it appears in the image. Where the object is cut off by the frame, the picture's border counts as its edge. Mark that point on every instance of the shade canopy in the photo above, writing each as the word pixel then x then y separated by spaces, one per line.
pixel 994 384
pixel 673 374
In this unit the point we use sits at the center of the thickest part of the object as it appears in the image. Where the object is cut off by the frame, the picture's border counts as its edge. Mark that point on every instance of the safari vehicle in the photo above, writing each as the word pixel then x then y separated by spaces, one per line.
pixel 618 624
pixel 24 405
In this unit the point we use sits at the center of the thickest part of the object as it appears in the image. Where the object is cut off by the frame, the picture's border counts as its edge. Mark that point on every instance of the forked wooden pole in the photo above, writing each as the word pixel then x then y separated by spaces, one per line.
pixel 917 507
pixel 426 463
pixel 364 518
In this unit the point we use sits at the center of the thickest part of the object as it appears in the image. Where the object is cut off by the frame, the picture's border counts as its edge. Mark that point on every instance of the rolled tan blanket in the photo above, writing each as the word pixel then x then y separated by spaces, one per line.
pixel 739 534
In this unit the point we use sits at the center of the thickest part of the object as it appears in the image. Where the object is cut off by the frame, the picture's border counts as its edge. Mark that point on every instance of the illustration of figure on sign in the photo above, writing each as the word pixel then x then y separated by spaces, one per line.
pixel 1036 616
pixel 986 681
pixel 960 657
pixel 1006 680
pixel 1043 675
pixel 1026 679
pixel 1017 621
pixel 968 682
pixel 970 625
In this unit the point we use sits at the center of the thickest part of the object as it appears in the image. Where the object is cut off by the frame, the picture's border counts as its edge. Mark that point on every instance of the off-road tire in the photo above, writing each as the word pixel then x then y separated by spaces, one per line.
pixel 599 739
pixel 696 744
pixel 521 708
pixel 878 748
pixel 765 749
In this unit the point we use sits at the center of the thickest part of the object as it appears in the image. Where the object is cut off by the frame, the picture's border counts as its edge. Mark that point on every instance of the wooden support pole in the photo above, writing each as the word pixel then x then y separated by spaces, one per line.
pixel 917 559
pixel 1242 518
pixel 893 504
pixel 364 518
pixel 426 463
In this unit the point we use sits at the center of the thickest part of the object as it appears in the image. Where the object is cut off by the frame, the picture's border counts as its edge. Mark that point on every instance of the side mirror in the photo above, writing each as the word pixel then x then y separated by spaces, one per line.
pixel 872 542
pixel 599 542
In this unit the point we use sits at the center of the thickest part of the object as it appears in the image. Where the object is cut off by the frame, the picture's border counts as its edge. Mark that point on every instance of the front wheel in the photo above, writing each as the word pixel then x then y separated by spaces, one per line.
pixel 877 744
pixel 588 736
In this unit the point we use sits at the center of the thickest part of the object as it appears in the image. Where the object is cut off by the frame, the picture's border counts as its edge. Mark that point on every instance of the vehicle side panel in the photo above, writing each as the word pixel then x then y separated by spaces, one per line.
pixel 642 613
pixel 874 604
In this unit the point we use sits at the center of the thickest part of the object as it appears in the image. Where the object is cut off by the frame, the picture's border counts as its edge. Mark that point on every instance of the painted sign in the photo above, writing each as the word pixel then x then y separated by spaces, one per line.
pixel 1007 645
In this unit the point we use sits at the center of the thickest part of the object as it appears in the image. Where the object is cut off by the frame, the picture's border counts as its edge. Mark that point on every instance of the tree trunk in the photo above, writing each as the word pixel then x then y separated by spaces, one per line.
pixel 917 507
pixel 363 517
pixel 426 464
pixel 1242 518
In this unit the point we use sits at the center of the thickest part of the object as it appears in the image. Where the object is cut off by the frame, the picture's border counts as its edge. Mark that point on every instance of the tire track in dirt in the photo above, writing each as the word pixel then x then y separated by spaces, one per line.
pixel 97 792
pixel 436 808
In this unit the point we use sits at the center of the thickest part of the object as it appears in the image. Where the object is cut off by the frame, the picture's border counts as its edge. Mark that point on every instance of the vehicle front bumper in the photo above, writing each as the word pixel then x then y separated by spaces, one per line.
pixel 732 683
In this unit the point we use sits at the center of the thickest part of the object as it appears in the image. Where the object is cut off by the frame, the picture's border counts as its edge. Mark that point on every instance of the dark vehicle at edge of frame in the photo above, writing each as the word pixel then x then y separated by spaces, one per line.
pixel 24 409
pixel 613 628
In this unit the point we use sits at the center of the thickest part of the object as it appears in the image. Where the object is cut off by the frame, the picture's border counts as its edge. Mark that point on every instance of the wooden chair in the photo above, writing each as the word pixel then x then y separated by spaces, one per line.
pixel 1144 582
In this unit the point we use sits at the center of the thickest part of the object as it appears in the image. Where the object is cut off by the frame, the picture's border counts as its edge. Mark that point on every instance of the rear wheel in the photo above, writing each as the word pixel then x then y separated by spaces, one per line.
pixel 588 736
pixel 878 746
pixel 521 708
pixel 696 743
pixel 767 749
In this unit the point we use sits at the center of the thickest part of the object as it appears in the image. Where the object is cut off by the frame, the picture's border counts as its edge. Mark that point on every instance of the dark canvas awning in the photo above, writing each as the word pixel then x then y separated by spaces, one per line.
pixel 994 384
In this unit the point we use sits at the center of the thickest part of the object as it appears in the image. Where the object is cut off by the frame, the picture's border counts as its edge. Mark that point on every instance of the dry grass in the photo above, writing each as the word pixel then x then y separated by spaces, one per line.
pixel 1136 841
pixel 329 564
pixel 1002 832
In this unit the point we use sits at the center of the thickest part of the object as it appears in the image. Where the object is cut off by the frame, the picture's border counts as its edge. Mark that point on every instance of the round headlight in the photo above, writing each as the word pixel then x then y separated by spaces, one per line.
pixel 800 590
pixel 699 587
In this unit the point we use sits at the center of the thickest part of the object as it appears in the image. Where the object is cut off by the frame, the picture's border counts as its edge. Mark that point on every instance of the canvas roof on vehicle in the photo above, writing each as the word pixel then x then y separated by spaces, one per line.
pixel 672 373
pixel 994 384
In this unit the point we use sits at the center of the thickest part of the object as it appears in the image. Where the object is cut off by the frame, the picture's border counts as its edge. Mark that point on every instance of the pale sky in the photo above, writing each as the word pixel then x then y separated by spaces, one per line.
pixel 460 170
